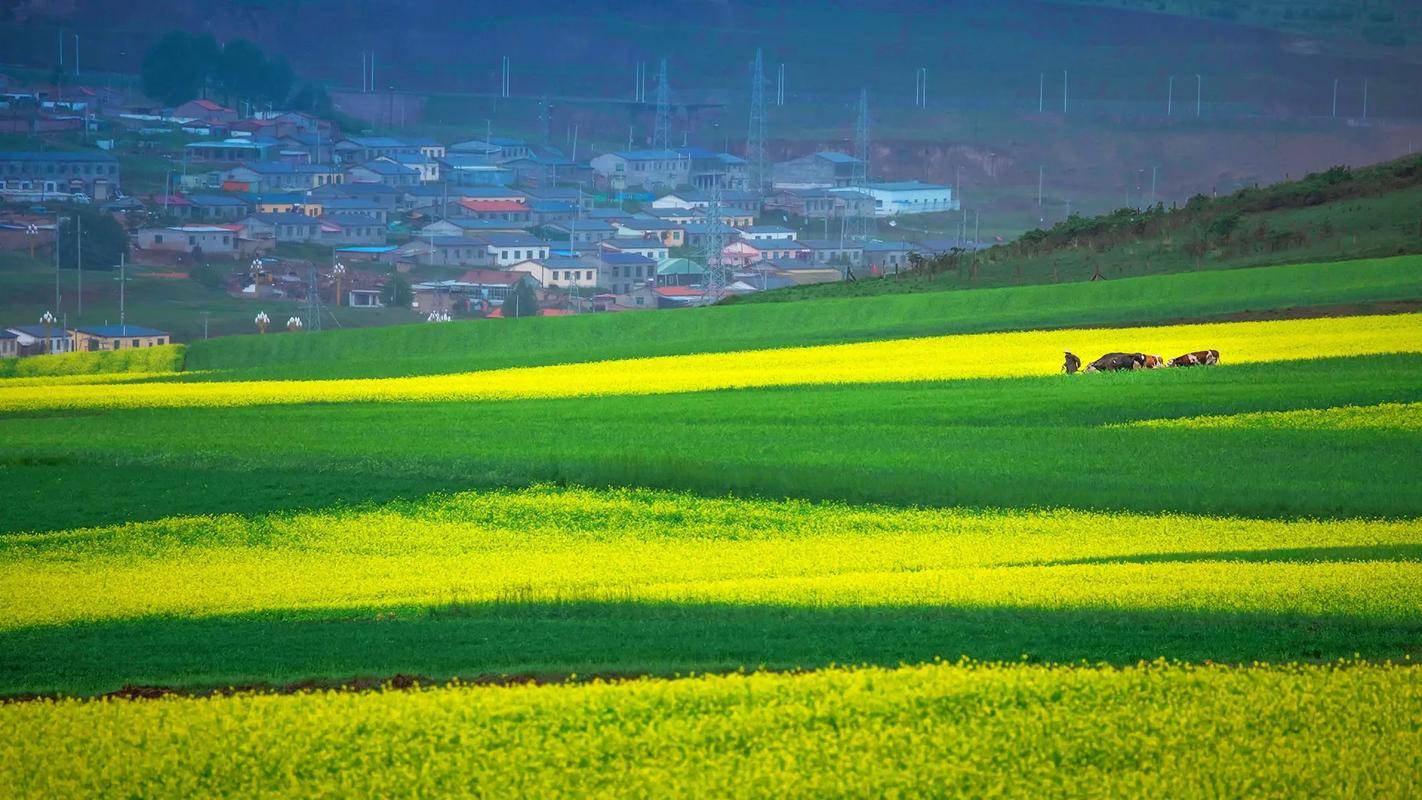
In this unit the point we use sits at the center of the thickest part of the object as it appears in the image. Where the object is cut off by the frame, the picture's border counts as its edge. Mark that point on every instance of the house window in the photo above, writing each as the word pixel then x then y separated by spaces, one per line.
pixel 157 238
pixel 135 343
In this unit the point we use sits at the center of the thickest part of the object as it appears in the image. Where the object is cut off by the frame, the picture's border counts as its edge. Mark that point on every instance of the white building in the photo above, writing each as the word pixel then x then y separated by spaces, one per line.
pixel 910 197
pixel 210 239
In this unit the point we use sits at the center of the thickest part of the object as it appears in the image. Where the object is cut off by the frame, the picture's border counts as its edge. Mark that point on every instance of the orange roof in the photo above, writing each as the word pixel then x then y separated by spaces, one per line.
pixel 498 313
pixel 492 205
pixel 678 291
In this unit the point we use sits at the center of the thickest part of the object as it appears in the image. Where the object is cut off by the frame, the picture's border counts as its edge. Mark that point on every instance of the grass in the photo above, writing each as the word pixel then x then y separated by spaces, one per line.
pixel 973 730
pixel 153 299
pixel 995 355
pixel 1026 442
pixel 556 582
pixel 1356 228
pixel 459 347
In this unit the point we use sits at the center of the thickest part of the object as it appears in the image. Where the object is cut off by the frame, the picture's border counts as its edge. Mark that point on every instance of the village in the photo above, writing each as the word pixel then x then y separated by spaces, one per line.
pixel 286 206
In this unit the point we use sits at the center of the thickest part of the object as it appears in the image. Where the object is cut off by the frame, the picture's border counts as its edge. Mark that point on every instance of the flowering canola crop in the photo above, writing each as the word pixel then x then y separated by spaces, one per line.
pixel 997 355
pixel 569 545
pixel 1383 416
pixel 966 729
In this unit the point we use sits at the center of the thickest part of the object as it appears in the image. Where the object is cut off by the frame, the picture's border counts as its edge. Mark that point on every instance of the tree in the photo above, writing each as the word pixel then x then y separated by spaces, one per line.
pixel 242 71
pixel 521 302
pixel 311 99
pixel 104 240
pixel 396 291
pixel 172 70
pixel 279 80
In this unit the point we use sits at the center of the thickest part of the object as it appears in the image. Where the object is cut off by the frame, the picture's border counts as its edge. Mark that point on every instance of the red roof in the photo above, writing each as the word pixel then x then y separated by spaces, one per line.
pixel 209 105
pixel 498 313
pixel 492 205
pixel 492 276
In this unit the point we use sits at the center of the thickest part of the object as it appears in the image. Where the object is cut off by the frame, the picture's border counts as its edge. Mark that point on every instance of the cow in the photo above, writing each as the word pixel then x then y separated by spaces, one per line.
pixel 1150 361
pixel 1072 363
pixel 1114 362
pixel 1199 358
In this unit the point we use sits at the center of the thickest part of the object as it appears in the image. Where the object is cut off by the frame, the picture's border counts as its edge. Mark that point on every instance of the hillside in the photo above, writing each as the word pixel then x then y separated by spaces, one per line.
pixel 1334 215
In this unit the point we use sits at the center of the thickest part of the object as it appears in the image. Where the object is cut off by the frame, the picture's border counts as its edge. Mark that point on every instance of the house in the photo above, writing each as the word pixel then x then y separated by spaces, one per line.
pixel 283 203
pixel 468 226
pixel 680 272
pixel 546 212
pixel 707 169
pixel 885 257
pixel 678 296
pixel 352 229
pixel 581 231
pixel 9 344
pixel 738 203
pixel 645 169
pixel 568 194
pixel 562 271
pixel 499 148
pixel 668 233
pixel 766 233
pixel 170 205
pixel 387 198
pixel 910 197
pixel 506 249
pixel 425 146
pixel 232 150
pixel 118 337
pixel 282 227
pixel 477 289
pixel 35 340
pixel 369 207
pixel 461 251
pixel 204 111
pixel 742 252
pixel 363 149
pixel 277 176
pixel 507 211
pixel 94 173
pixel 831 251
pixel 425 165
pixel 622 271
pixel 805 203
pixel 364 298
pixel 204 239
pixel 654 250
pixel 800 273
pixel 543 166
pixel 465 169
pixel 214 207
pixel 822 170
pixel 383 171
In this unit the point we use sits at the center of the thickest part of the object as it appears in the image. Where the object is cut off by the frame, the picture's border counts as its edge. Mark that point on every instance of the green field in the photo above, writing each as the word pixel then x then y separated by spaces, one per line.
pixel 1184 582
pixel 456 347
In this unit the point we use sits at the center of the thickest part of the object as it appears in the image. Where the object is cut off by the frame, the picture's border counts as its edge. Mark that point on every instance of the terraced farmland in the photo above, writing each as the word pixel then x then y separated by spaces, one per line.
pixel 920 566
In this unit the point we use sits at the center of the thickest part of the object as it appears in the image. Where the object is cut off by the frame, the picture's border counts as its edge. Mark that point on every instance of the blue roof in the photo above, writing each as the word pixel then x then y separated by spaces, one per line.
pixel 511 239
pixel 114 331
pixel 553 206
pixel 900 186
pixel 837 158
pixel 370 248
pixel 216 200
pixel 626 258
pixel 388 168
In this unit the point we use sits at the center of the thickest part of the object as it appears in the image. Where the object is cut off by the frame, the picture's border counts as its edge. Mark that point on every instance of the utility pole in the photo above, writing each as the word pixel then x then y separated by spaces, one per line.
pixel 1335 98
pixel 56 253
pixel 364 84
pixel 372 70
pixel 1041 174
pixel 1170 98
pixel 780 87
pixel 1365 98
pixel 79 258
pixel 1153 170
pixel 204 323
pixel 76 55
pixel 1064 91
pixel 1041 92
pixel 1199 87
pixel 123 279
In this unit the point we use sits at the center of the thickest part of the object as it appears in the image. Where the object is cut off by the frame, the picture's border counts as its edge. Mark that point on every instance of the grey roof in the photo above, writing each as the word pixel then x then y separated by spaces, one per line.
pixel 215 200
pixel 767 229
pixel 585 225
pixel 285 218
pixel 512 240
pixel 904 186
pixel 114 331
pixel 830 244
pixel 388 168
pixel 350 219
pixel 837 158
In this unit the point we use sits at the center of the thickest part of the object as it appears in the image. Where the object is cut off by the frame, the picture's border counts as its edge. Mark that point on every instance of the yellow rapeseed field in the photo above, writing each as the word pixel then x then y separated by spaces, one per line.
pixel 1383 416
pixel 973 730
pixel 996 355
pixel 555 545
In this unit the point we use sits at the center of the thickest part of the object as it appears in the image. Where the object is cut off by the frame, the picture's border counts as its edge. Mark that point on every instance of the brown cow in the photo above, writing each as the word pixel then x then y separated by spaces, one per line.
pixel 1151 362
pixel 1199 358
pixel 1114 362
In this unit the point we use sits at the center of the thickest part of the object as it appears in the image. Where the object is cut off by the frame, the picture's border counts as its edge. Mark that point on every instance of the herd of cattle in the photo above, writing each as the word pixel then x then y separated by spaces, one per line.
pixel 1115 362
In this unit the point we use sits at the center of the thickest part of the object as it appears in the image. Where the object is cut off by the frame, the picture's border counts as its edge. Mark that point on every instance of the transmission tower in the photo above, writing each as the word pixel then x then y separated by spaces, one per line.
pixel 544 118
pixel 860 222
pixel 755 137
pixel 711 247
pixel 313 303
pixel 661 135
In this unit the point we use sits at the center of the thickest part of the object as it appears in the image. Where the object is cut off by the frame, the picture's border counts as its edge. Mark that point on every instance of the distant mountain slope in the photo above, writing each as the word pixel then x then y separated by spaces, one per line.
pixel 1338 214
